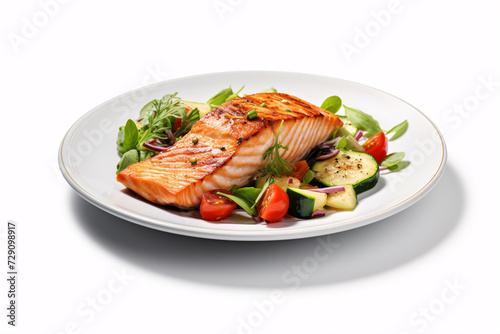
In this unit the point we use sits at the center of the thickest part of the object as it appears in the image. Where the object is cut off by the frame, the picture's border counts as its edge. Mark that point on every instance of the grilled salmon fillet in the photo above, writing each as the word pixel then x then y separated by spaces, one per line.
pixel 229 148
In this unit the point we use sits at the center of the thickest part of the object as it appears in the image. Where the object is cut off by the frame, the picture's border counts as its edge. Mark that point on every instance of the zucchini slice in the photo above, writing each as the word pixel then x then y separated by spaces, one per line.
pixel 348 128
pixel 348 167
pixel 344 200
pixel 353 145
pixel 282 181
pixel 204 108
pixel 304 202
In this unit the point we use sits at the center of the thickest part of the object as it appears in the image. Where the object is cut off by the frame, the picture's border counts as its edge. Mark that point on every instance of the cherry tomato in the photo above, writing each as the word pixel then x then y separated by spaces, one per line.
pixel 274 204
pixel 216 207
pixel 377 146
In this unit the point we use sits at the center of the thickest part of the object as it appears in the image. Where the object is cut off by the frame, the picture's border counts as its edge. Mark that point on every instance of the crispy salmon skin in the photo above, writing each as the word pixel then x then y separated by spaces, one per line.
pixel 229 148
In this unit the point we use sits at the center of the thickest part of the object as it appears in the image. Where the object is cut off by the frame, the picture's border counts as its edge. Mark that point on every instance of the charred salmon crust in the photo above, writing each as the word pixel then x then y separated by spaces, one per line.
pixel 229 148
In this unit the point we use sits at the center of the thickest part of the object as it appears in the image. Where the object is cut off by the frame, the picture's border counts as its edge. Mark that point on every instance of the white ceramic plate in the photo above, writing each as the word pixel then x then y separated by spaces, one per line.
pixel 88 156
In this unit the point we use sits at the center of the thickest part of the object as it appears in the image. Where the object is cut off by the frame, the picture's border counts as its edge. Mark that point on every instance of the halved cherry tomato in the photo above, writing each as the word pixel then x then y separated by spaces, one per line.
pixel 216 207
pixel 301 168
pixel 377 146
pixel 274 204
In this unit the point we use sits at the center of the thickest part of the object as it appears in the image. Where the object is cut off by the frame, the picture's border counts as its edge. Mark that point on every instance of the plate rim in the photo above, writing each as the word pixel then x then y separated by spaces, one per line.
pixel 268 235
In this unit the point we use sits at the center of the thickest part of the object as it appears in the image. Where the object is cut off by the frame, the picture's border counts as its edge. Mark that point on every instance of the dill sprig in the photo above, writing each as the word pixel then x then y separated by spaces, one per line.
pixel 277 166
pixel 160 116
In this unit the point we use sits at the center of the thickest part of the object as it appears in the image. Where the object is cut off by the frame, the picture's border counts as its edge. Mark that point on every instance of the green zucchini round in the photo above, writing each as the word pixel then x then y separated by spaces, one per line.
pixel 360 170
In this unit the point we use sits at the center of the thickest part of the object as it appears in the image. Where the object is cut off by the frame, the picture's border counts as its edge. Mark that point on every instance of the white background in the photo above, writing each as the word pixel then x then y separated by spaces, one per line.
pixel 393 276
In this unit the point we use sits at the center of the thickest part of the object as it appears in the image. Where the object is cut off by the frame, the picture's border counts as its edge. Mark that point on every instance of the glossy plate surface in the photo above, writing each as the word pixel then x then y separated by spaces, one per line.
pixel 88 156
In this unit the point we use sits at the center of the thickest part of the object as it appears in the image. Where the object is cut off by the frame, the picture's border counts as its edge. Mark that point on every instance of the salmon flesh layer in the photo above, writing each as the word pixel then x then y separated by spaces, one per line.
pixel 229 149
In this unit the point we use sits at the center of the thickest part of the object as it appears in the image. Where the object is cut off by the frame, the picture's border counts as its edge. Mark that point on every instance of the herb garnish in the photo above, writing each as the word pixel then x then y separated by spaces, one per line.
pixel 277 166
pixel 252 114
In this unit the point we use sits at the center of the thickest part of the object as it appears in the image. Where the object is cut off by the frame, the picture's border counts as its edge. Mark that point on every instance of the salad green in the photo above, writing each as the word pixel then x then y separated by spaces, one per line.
pixel 398 130
pixel 332 104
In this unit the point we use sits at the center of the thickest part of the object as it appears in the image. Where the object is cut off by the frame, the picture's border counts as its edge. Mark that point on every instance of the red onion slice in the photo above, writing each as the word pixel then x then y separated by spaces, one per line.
pixel 358 135
pixel 149 144
pixel 318 213
pixel 329 190
pixel 331 142
pixel 328 156
pixel 257 219
pixel 171 136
